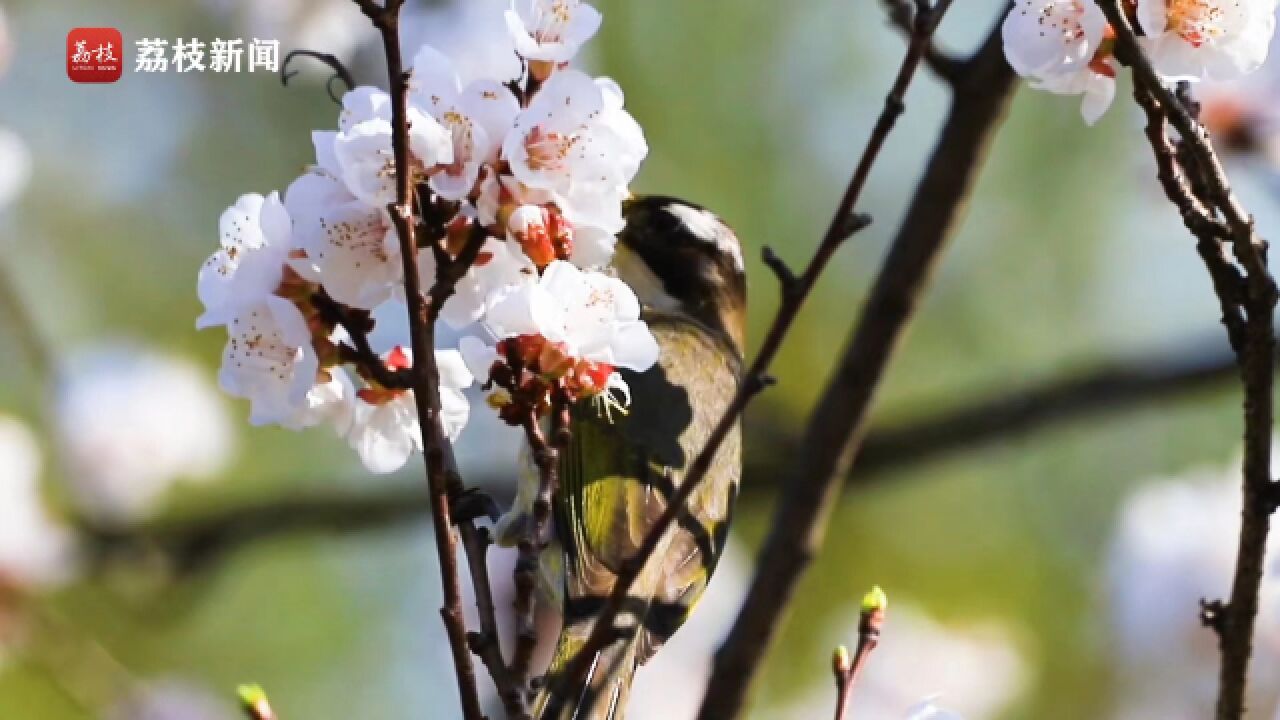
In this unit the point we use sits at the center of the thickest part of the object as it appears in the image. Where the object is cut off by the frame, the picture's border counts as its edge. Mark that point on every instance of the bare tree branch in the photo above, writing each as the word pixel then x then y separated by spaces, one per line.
pixel 340 72
pixel 1196 184
pixel 191 545
pixel 837 426
pixel 441 471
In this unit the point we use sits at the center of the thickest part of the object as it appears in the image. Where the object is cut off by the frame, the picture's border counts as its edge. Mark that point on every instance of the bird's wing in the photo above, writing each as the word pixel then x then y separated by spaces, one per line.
pixel 616 477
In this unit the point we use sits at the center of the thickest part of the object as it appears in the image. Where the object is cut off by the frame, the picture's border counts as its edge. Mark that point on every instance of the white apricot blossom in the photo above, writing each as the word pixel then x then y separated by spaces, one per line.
pixel 529 222
pixel 384 430
pixel 366 160
pixel 500 265
pixel 1207 39
pixel 551 30
pixel 592 247
pixel 345 244
pixel 1097 90
pixel 256 236
pixel 595 316
pixel 499 193
pixel 576 141
pixel 362 104
pixel 476 117
pixel 1059 45
pixel 269 360
pixel 331 400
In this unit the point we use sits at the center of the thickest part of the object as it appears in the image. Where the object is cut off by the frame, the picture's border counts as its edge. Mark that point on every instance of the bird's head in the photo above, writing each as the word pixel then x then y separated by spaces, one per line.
pixel 681 258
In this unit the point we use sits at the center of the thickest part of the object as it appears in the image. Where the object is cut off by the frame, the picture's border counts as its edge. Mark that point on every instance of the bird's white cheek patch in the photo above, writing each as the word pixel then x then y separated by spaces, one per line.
pixel 705 225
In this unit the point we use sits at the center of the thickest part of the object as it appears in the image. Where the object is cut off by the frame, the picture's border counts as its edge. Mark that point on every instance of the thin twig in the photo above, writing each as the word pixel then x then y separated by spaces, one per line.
pixel 870 623
pixel 340 71
pixel 838 424
pixel 841 667
pixel 546 457
pixel 795 290
pixel 1247 296
pixel 426 376
pixel 486 643
pixel 360 352
pixel 902 15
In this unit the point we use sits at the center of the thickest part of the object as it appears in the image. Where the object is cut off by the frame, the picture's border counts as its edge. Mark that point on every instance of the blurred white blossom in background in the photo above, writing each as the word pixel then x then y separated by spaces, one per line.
pixel 131 423
pixel 973 670
pixel 15 157
pixel 36 552
pixel 1175 544
pixel 929 710
pixel 15 167
pixel 1244 115
pixel 171 699
pixel 329 26
pixel 6 47
pixel 472 33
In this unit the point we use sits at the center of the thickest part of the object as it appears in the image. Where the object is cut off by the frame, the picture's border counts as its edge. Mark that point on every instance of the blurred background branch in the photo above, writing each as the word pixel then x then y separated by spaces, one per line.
pixel 200 543
pixel 1122 385
pixel 24 332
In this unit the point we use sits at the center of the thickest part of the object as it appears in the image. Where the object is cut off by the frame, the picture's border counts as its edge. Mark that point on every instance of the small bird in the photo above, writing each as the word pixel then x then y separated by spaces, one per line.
pixel 618 472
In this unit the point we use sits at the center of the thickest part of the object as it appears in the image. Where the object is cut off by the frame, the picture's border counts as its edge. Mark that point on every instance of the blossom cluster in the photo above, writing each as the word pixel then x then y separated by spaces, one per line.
pixel 1067 46
pixel 535 168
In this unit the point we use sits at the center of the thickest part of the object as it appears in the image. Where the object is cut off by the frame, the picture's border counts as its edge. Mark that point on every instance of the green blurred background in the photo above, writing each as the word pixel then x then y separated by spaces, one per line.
pixel 1068 258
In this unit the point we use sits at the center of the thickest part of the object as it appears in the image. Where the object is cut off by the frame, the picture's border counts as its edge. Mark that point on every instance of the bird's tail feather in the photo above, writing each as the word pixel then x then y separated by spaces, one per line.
pixel 608 687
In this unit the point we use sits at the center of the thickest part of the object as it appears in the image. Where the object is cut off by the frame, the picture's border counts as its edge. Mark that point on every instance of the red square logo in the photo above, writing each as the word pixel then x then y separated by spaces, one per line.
pixel 95 55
